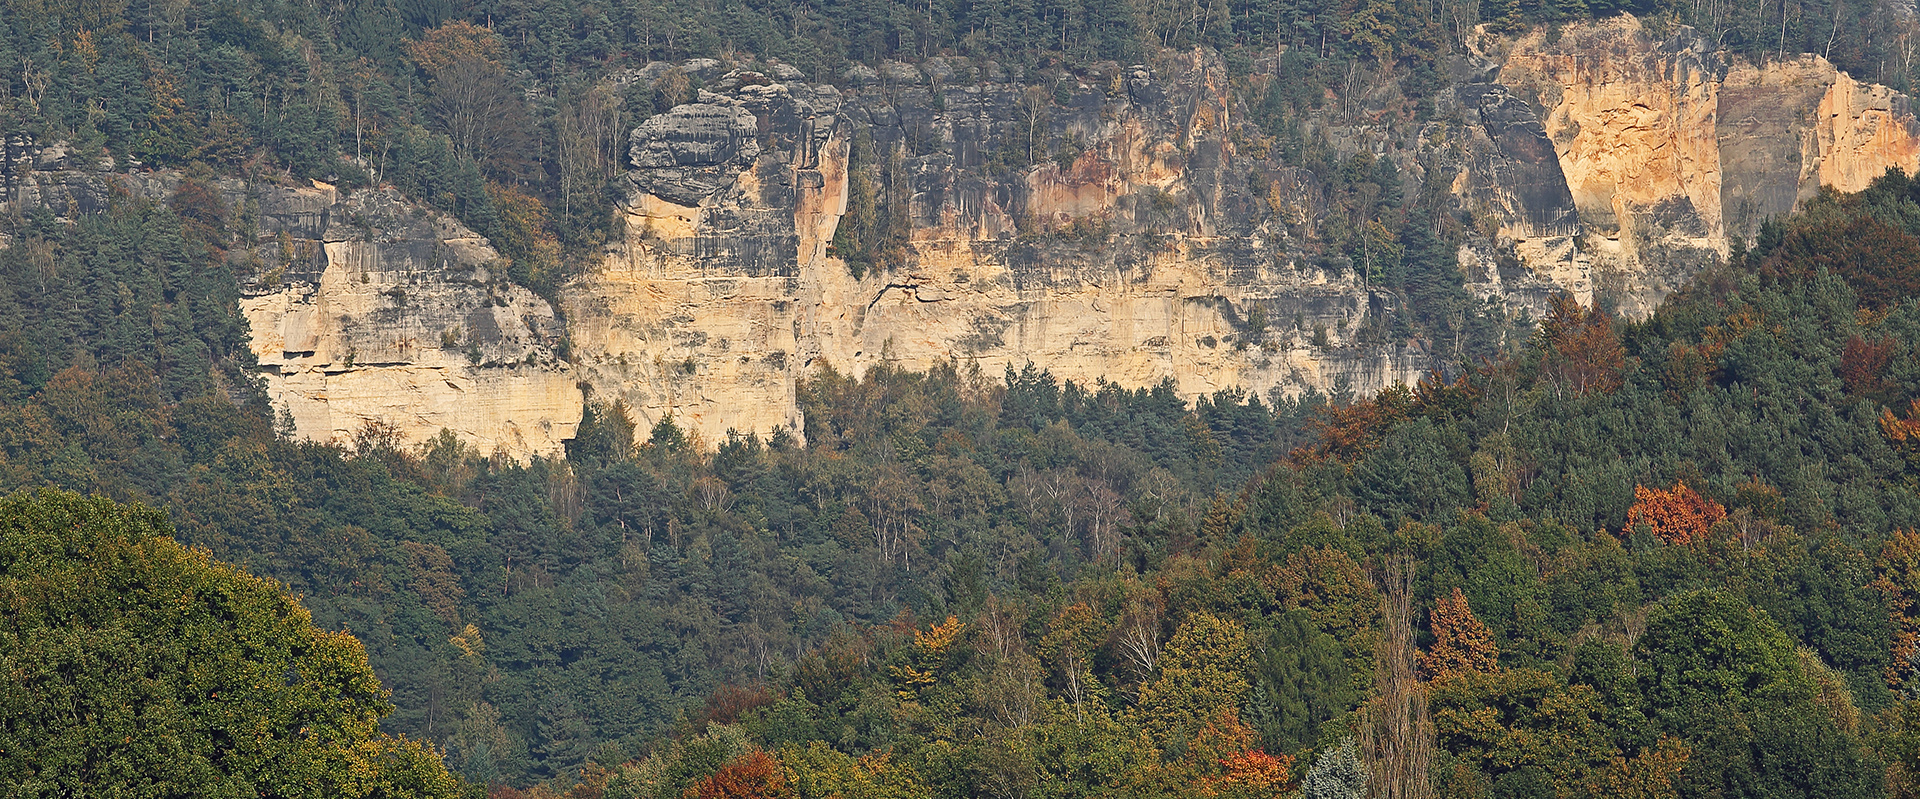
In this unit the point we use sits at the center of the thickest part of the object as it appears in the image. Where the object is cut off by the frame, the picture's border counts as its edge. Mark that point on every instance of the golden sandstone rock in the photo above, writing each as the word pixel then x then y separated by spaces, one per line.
pixel 1126 225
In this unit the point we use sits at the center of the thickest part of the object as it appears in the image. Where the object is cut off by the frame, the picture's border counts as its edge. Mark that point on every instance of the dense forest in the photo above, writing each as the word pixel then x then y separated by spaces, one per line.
pixel 1675 557
pixel 1666 558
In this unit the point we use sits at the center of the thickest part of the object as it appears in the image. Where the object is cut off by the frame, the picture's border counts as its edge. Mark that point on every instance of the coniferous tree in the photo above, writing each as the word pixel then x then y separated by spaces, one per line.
pixel 1336 774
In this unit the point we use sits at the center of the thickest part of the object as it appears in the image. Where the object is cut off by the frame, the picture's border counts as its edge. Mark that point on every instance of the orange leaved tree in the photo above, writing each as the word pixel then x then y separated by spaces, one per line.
pixel 754 775
pixel 1461 644
pixel 1678 515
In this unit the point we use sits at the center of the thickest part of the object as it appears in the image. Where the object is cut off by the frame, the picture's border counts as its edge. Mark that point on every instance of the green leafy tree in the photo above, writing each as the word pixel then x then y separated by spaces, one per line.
pixel 1705 649
pixel 140 667
pixel 1522 725
pixel 1202 670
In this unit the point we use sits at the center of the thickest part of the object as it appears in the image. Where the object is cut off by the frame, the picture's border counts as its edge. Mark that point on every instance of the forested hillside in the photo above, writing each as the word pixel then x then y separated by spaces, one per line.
pixel 1663 558
pixel 1675 557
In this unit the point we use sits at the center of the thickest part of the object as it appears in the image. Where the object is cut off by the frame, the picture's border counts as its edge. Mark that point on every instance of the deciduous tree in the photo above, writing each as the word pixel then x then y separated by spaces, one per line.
pixel 1461 644
pixel 1583 353
pixel 1678 515
pixel 140 667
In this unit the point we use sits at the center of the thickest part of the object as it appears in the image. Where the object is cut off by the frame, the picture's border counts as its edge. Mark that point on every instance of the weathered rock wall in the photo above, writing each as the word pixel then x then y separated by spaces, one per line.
pixel 1612 162
pixel 1125 225
pixel 1148 256
pixel 1673 150
pixel 368 308
pixel 364 307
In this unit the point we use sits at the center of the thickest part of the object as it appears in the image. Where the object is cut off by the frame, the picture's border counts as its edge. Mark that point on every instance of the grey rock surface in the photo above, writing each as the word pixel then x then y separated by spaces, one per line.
pixel 693 150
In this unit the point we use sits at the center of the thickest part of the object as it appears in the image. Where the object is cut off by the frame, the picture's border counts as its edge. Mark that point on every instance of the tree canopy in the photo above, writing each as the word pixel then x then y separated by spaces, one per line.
pixel 139 667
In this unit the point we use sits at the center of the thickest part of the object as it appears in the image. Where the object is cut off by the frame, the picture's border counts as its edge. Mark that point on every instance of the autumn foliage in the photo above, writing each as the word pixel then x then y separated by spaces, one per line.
pixel 1583 353
pixel 1651 774
pixel 1226 761
pixel 1678 515
pixel 1903 433
pixel 1256 773
pixel 730 702
pixel 442 47
pixel 1863 366
pixel 1874 257
pixel 755 775
pixel 1461 644
pixel 1897 580
pixel 1346 433
pixel 931 648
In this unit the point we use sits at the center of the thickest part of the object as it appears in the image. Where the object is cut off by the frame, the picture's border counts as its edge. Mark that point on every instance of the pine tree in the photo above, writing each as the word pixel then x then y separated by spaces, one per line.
pixel 1336 774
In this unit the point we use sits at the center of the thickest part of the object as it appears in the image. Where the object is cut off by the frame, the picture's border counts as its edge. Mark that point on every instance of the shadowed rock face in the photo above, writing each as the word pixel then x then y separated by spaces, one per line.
pixel 694 150
pixel 1519 170
pixel 1125 225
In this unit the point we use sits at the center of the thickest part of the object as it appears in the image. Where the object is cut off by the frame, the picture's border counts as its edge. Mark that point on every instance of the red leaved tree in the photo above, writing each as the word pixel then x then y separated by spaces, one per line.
pixel 1876 258
pixel 1583 353
pixel 1225 761
pixel 1863 367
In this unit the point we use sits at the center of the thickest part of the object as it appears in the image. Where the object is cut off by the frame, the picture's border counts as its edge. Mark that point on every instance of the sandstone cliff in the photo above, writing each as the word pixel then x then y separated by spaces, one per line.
pixel 1126 223
pixel 1613 162
pixel 363 306
pixel 1144 257
pixel 366 307
pixel 1673 151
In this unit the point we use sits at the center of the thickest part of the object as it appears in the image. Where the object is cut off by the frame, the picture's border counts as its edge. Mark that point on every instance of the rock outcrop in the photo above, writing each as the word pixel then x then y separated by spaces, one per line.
pixel 1613 164
pixel 368 308
pixel 1673 150
pixel 1125 224
pixel 364 307
pixel 1146 256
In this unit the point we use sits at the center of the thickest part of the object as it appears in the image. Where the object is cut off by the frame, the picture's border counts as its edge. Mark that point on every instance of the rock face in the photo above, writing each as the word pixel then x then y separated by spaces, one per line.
pixel 369 308
pixel 1612 164
pixel 1145 257
pixel 1124 224
pixel 1672 150
pixel 692 151
pixel 364 307
pixel 1507 169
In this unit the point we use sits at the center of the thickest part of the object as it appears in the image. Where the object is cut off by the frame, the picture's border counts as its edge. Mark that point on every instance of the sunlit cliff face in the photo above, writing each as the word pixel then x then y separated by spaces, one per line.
pixel 1127 225
pixel 1672 151
pixel 1612 165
